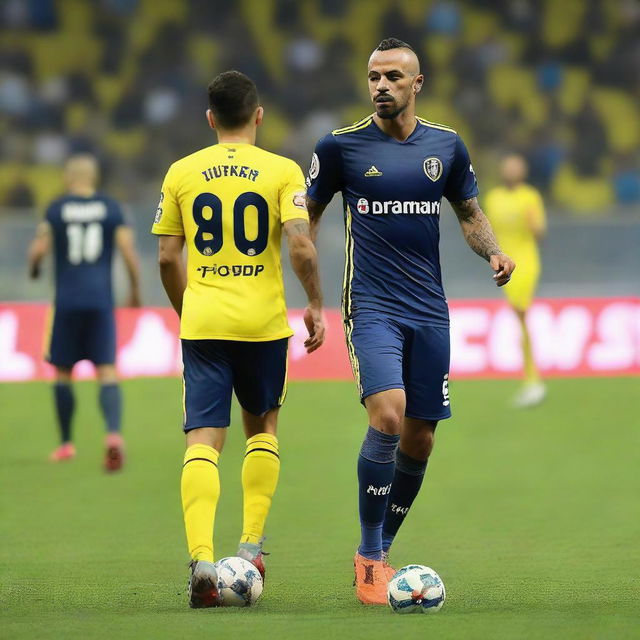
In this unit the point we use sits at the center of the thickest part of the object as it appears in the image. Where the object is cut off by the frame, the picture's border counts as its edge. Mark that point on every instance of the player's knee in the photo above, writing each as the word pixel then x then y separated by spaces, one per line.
pixel 387 420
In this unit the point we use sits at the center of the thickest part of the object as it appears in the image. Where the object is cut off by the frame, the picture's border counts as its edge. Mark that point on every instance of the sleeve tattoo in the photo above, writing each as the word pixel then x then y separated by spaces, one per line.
pixel 476 228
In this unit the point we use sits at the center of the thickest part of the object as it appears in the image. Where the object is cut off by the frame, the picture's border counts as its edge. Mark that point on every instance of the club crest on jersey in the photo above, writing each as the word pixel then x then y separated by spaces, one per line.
pixel 159 209
pixel 363 205
pixel 299 200
pixel 432 168
pixel 314 168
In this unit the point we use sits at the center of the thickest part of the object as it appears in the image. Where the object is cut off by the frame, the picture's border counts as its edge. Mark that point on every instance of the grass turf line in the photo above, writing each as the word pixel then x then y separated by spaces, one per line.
pixel 530 517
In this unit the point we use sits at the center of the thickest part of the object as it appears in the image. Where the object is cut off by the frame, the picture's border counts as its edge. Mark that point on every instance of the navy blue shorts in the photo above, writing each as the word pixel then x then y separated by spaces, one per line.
pixel 214 369
pixel 389 354
pixel 82 334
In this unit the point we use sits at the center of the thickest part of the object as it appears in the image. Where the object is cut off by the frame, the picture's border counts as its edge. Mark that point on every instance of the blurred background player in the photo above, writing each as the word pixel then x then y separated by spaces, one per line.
pixel 83 227
pixel 230 203
pixel 393 169
pixel 517 215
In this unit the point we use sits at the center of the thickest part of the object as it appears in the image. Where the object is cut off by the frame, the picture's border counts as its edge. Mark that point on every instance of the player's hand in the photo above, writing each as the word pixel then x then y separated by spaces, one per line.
pixel 503 267
pixel 34 271
pixel 314 321
pixel 134 300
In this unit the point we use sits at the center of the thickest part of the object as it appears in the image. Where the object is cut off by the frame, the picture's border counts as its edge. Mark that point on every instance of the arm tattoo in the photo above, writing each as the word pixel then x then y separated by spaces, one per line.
pixel 476 228
pixel 298 228
pixel 315 210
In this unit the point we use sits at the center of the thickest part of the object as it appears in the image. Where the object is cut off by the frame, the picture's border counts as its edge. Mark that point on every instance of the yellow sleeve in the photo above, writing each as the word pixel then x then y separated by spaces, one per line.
pixel 292 195
pixel 168 220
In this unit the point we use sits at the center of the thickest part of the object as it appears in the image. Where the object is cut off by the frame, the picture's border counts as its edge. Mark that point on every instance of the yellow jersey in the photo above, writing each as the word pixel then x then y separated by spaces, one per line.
pixel 229 201
pixel 512 212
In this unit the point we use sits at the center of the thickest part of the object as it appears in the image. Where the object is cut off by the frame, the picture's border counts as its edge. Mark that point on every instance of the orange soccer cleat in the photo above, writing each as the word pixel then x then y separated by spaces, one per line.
pixel 389 571
pixel 114 456
pixel 64 452
pixel 370 581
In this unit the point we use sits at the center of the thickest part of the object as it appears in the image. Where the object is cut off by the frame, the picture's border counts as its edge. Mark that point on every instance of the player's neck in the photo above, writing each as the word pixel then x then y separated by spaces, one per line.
pixel 82 190
pixel 400 127
pixel 247 136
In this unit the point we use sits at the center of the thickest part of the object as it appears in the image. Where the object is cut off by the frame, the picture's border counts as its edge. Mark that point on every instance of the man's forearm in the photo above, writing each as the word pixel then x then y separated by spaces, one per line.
pixel 174 282
pixel 476 228
pixel 304 262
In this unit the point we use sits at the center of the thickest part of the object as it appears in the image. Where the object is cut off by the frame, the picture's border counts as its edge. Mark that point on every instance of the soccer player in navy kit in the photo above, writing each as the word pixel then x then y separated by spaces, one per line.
pixel 83 227
pixel 393 169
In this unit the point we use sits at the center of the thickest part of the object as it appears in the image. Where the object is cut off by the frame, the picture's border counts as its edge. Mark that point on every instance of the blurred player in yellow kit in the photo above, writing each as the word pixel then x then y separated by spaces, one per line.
pixel 516 212
pixel 229 203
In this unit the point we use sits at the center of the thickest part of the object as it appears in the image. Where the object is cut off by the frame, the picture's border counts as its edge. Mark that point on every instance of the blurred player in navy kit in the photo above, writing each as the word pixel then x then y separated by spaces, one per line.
pixel 393 169
pixel 83 227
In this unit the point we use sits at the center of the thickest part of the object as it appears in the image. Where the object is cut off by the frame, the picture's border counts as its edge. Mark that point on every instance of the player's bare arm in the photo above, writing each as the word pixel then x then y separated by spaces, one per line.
pixel 172 270
pixel 315 209
pixel 39 248
pixel 537 226
pixel 479 236
pixel 126 245
pixel 304 260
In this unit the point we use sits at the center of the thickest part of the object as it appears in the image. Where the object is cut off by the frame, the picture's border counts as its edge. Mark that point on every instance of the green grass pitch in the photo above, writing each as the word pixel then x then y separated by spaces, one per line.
pixel 531 518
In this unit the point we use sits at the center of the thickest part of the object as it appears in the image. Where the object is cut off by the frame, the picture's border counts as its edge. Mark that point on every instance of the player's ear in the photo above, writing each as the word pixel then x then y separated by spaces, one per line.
pixel 417 83
pixel 210 119
pixel 259 116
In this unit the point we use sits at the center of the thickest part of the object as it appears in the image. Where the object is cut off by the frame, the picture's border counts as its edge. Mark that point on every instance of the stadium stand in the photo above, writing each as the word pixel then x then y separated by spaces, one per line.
pixel 126 78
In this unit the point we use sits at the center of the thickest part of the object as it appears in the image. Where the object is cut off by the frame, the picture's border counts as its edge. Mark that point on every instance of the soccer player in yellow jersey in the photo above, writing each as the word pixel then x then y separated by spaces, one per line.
pixel 516 212
pixel 229 203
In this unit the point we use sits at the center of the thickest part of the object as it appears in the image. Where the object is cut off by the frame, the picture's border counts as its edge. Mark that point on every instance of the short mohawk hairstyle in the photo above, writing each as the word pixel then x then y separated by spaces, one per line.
pixel 393 43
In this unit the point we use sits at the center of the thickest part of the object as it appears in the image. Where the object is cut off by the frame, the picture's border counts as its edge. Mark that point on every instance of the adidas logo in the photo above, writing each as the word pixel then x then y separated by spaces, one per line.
pixel 373 172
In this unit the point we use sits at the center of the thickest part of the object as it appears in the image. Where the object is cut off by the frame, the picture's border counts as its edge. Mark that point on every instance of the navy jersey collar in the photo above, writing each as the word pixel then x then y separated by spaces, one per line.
pixel 416 133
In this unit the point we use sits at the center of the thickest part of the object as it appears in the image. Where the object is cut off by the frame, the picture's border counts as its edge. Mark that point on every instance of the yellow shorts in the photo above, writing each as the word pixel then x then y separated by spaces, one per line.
pixel 522 286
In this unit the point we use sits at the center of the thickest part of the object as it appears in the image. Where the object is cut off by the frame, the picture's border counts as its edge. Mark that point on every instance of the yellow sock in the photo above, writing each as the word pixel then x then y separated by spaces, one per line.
pixel 530 370
pixel 259 480
pixel 200 489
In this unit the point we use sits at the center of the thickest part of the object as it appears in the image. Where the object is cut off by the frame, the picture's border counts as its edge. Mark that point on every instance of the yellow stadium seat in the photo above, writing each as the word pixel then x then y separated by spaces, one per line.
pixel 562 21
pixel 10 174
pixel 276 129
pixel 125 143
pixel 574 89
pixel 439 50
pixel 583 195
pixel 109 90
pixel 620 116
pixel 46 183
pixel 204 53
pixel 478 25
pixel 61 53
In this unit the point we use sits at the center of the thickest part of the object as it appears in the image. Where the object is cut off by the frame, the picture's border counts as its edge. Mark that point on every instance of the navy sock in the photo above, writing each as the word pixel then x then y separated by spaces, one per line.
pixel 111 404
pixel 65 403
pixel 375 473
pixel 407 480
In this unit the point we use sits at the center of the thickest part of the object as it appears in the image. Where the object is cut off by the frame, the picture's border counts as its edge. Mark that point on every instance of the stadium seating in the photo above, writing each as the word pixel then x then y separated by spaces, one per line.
pixel 98 72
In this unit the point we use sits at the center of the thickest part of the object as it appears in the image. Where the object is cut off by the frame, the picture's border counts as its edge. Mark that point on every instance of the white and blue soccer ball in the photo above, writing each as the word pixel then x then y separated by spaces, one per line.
pixel 239 582
pixel 416 589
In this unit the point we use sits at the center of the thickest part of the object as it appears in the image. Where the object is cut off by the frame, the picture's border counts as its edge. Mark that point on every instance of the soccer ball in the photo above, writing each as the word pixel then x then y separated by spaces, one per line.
pixel 416 589
pixel 239 582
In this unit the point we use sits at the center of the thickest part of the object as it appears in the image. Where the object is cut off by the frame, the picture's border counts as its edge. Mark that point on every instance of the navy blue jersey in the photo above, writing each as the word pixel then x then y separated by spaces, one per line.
pixel 392 193
pixel 83 231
